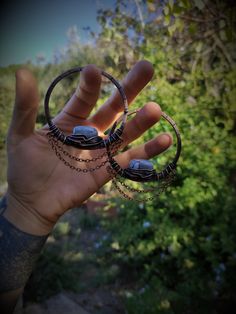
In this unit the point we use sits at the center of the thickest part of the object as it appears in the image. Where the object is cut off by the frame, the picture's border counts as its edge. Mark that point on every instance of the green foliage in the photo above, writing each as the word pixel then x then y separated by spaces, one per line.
pixel 54 274
pixel 88 221
pixel 183 243
pixel 180 248
pixel 61 229
pixel 6 101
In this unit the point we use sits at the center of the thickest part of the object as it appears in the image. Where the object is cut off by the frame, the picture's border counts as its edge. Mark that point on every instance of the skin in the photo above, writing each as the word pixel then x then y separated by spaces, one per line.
pixel 40 187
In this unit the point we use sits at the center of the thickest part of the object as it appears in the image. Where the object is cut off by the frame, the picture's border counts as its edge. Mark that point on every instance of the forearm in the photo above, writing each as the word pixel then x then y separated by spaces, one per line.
pixel 19 251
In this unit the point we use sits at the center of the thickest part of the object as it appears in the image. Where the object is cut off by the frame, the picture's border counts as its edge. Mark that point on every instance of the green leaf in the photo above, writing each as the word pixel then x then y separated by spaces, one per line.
pixel 177 9
pixel 222 23
pixel 171 4
pixel 192 28
pixel 166 10
pixel 151 6
pixel 223 35
pixel 199 46
pixel 199 4
pixel 172 29
pixel 166 20
pixel 185 4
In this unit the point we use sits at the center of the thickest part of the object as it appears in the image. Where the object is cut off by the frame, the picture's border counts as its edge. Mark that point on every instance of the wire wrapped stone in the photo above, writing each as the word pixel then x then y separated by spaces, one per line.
pixel 141 164
pixel 142 170
pixel 87 131
pixel 85 137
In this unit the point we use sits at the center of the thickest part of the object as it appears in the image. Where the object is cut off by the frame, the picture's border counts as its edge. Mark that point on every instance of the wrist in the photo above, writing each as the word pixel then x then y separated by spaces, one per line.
pixel 19 252
pixel 26 219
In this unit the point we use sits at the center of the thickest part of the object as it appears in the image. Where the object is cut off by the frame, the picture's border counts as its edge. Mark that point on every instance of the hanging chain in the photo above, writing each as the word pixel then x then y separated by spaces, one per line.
pixel 55 142
pixel 116 180
pixel 60 151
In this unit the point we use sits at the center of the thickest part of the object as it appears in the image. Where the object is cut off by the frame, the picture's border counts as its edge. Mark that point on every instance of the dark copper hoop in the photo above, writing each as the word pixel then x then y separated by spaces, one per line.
pixel 145 175
pixel 81 141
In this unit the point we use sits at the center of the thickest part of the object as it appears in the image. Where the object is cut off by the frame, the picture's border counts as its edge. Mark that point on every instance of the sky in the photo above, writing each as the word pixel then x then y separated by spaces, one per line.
pixel 29 28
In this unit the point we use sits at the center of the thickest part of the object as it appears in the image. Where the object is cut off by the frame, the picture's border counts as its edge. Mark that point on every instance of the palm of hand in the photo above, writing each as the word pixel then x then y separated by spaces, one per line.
pixel 38 178
pixel 38 181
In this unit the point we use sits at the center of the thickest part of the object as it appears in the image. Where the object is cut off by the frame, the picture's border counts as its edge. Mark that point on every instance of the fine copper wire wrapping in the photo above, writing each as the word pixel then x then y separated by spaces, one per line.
pixel 81 141
pixel 161 180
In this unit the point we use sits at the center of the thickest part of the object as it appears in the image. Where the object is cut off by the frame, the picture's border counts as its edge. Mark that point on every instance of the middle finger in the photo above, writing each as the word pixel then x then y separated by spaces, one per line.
pixel 135 81
pixel 85 97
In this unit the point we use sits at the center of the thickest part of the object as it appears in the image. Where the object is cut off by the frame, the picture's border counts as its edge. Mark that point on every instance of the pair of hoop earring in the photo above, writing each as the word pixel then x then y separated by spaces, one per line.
pixel 87 138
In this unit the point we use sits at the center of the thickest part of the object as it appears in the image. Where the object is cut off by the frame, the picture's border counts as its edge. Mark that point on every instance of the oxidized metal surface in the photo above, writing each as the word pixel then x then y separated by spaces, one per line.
pixel 82 141
pixel 147 175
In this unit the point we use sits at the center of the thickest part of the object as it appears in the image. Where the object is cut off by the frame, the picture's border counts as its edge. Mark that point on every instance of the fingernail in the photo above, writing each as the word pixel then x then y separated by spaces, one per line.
pixel 167 138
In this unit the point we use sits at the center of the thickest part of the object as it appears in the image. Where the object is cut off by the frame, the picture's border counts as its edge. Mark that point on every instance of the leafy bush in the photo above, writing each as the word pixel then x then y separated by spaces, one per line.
pixel 182 244
pixel 180 247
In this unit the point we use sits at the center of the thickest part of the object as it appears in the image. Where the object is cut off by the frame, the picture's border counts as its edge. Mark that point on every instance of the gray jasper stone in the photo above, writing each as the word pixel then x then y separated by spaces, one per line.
pixel 140 164
pixel 88 131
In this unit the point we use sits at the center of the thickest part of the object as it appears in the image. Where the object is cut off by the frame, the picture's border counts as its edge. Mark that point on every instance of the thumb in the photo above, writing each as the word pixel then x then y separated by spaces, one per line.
pixel 26 105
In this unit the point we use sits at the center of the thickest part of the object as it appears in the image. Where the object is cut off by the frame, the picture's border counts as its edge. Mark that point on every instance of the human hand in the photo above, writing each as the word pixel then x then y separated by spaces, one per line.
pixel 40 187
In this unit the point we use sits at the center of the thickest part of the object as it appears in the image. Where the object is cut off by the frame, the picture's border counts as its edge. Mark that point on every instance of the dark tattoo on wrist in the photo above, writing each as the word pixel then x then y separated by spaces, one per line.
pixel 18 253
pixel 3 204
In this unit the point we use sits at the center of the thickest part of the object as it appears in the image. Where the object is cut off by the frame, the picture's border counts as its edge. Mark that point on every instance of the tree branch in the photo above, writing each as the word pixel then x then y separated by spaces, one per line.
pixel 223 49
pixel 196 19
pixel 140 14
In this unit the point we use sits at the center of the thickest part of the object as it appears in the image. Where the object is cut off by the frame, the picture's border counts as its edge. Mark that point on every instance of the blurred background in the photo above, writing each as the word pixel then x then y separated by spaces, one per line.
pixel 176 253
